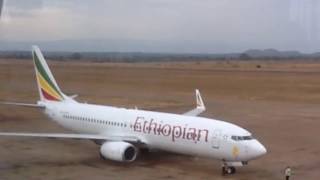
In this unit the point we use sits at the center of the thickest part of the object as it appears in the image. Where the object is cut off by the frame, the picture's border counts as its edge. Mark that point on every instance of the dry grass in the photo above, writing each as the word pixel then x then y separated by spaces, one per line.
pixel 277 102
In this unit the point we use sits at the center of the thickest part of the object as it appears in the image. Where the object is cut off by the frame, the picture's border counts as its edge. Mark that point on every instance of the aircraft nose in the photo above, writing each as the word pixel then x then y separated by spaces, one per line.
pixel 257 150
pixel 260 149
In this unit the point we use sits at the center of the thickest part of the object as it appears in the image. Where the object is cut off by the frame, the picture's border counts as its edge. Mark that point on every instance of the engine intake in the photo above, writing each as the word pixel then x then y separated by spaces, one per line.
pixel 119 151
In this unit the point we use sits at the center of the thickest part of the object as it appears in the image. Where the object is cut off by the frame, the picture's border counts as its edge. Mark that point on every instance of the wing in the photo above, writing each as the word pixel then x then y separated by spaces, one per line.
pixel 200 106
pixel 74 136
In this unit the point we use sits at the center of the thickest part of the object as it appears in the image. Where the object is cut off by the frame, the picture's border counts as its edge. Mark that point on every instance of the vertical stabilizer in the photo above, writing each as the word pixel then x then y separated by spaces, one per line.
pixel 47 85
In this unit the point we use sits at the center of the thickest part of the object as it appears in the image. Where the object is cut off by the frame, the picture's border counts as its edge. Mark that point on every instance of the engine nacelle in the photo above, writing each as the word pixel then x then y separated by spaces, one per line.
pixel 119 151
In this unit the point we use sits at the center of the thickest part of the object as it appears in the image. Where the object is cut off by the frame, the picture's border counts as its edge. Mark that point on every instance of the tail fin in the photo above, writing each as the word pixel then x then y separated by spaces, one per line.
pixel 47 85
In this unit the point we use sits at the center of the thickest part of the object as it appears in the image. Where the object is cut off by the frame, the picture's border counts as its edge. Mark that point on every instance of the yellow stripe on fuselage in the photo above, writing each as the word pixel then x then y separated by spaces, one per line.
pixel 44 85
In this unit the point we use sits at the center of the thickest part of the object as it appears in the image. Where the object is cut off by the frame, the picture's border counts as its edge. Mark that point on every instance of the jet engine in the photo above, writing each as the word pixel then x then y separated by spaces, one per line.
pixel 118 151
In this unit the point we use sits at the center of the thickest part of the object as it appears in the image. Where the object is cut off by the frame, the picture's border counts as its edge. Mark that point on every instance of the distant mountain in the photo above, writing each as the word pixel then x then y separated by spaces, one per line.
pixel 315 55
pixel 133 50
pixel 269 53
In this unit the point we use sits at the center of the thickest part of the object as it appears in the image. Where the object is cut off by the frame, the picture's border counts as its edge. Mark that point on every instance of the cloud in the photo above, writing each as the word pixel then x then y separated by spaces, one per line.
pixel 39 24
pixel 196 26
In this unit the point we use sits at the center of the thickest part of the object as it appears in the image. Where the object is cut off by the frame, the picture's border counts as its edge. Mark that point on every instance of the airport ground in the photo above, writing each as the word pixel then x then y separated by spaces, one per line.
pixel 277 101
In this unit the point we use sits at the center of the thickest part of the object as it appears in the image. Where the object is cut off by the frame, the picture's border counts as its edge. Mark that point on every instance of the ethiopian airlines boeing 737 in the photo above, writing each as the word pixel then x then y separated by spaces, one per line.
pixel 122 132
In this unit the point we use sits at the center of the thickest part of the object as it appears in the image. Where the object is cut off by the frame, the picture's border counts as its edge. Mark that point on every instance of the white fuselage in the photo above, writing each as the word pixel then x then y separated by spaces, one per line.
pixel 169 132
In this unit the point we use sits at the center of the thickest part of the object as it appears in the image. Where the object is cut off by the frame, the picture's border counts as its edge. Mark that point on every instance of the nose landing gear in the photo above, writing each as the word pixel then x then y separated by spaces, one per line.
pixel 228 170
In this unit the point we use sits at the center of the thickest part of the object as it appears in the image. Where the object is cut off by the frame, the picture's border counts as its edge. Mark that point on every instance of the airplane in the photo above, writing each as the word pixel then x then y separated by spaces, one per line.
pixel 122 133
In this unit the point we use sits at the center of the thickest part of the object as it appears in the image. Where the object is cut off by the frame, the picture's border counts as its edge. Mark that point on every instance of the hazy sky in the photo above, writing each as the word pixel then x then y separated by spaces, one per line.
pixel 212 26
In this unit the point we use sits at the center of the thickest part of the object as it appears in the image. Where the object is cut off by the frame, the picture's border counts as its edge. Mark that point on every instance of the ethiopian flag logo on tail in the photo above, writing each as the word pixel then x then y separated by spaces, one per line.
pixel 48 87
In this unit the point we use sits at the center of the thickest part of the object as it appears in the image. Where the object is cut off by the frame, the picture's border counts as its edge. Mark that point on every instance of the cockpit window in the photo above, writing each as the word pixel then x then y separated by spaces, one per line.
pixel 247 137
pixel 241 138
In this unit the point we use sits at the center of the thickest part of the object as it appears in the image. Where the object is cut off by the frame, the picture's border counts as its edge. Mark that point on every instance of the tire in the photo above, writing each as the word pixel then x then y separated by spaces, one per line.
pixel 229 170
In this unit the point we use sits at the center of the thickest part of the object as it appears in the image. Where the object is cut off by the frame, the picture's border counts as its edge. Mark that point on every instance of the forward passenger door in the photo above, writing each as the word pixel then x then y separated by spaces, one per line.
pixel 215 139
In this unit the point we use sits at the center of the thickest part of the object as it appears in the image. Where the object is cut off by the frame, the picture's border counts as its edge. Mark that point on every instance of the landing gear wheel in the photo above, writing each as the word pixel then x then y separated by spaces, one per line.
pixel 228 170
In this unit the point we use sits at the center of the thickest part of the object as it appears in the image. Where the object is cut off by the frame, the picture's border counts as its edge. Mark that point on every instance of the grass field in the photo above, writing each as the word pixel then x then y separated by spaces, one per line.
pixel 278 103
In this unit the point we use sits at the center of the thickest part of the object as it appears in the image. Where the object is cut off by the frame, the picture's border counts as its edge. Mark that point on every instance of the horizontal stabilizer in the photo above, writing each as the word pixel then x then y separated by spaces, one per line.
pixel 23 104
pixel 74 96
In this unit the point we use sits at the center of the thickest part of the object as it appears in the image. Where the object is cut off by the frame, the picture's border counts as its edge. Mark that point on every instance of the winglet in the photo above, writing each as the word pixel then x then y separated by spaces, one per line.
pixel 200 106
pixel 200 103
